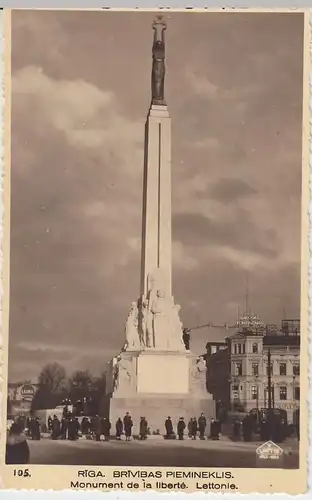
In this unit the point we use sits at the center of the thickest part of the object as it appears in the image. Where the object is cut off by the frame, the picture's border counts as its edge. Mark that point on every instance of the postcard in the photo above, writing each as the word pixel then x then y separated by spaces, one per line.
pixel 155 250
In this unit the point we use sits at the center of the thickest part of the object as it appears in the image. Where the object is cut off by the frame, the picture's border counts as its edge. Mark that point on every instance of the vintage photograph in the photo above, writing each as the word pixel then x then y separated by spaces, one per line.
pixel 156 180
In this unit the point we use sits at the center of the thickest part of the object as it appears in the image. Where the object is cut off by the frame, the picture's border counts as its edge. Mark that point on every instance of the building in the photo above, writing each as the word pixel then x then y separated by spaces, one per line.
pixel 237 369
pixel 20 396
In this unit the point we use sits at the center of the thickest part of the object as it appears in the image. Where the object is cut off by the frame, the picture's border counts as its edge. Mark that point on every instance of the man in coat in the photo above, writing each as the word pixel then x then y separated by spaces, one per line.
pixel 143 428
pixel 169 428
pixel 202 424
pixel 119 428
pixel 180 428
pixel 128 424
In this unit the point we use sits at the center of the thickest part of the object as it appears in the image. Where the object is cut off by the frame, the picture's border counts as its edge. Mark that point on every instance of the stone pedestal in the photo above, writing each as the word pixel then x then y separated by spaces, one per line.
pixel 158 384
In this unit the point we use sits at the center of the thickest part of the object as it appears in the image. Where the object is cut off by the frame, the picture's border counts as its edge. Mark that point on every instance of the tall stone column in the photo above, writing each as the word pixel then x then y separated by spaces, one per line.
pixel 156 230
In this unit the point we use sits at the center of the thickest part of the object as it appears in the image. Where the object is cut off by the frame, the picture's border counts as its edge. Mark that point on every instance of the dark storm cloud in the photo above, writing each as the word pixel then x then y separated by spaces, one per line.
pixel 239 234
pixel 229 190
pixel 81 91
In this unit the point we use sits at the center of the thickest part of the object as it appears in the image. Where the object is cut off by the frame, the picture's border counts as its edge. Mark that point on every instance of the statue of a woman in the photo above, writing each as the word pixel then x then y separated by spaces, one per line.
pixel 160 321
pixel 177 328
pixel 132 333
pixel 158 69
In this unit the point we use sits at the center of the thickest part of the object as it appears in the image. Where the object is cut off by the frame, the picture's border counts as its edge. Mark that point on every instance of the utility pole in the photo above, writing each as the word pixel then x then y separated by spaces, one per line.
pixel 269 383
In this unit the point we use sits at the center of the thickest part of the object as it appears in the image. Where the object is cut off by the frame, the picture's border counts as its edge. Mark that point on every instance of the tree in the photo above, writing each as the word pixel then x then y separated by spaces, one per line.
pixel 80 384
pixel 88 390
pixel 52 378
pixel 52 388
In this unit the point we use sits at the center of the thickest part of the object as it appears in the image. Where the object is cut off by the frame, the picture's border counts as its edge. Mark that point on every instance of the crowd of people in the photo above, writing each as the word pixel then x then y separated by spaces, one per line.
pixel 272 427
pixel 70 428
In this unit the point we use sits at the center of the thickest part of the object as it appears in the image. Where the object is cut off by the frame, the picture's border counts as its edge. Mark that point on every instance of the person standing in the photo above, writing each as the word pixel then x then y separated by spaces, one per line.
pixel 37 429
pixel 194 428
pixel 189 427
pixel 143 428
pixel 71 429
pixel 237 430
pixel 247 428
pixel 17 450
pixel 76 428
pixel 202 424
pixel 106 427
pixel 56 427
pixel 49 423
pixel 180 428
pixel 31 429
pixel 169 428
pixel 97 428
pixel 128 424
pixel 64 427
pixel 119 428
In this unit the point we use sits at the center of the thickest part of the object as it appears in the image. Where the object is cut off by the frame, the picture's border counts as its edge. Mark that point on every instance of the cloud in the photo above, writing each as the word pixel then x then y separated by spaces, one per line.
pixel 201 85
pixel 229 190
pixel 86 115
pixel 238 233
pixel 207 143
pixel 181 257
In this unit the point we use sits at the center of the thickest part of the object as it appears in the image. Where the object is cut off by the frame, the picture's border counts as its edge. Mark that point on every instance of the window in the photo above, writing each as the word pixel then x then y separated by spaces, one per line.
pixel 282 368
pixel 254 392
pixel 255 348
pixel 255 368
pixel 283 393
pixel 243 347
pixel 235 348
pixel 296 369
pixel 239 348
pixel 238 368
pixel 297 393
pixel 235 387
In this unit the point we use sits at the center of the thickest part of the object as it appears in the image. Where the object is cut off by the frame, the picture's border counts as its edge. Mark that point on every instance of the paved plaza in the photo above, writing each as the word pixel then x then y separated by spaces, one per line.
pixel 155 452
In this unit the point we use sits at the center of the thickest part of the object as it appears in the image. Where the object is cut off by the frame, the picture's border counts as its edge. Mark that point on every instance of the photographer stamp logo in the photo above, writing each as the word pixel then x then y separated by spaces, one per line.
pixel 269 450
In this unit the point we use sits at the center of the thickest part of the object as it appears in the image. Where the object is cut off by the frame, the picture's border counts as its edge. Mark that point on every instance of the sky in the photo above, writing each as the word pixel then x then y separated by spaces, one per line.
pixel 80 97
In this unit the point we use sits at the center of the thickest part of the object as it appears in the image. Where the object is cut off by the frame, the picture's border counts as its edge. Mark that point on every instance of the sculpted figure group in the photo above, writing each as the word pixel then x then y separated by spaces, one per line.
pixel 153 321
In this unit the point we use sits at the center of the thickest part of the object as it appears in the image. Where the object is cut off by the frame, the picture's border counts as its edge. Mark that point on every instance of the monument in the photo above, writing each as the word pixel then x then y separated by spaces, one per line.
pixel 154 375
